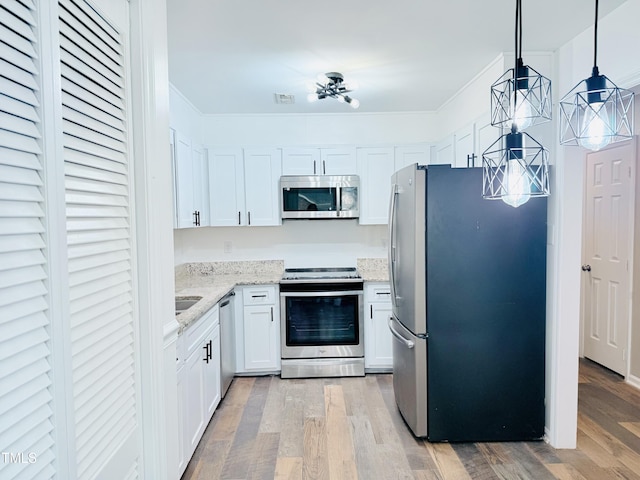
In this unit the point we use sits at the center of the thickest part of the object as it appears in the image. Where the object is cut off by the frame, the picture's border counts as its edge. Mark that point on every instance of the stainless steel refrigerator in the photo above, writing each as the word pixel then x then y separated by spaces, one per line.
pixel 468 290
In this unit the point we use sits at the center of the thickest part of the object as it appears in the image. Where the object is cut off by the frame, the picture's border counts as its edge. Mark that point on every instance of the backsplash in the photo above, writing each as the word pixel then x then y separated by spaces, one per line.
pixel 299 243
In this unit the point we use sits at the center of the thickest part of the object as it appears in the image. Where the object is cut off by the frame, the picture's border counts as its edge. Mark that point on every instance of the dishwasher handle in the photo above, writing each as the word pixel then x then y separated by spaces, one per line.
pixel 226 299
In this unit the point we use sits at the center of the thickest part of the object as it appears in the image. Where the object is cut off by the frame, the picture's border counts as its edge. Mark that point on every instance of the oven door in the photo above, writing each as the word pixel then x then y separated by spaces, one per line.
pixel 321 324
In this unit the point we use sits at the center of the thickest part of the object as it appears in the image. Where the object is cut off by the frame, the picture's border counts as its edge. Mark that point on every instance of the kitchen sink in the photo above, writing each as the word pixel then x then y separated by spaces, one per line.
pixel 185 303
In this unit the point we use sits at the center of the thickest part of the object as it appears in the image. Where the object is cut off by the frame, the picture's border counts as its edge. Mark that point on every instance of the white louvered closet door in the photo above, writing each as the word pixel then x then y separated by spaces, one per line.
pixel 100 242
pixel 25 362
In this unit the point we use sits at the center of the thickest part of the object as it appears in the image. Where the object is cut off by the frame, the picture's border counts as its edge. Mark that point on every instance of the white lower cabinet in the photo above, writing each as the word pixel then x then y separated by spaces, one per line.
pixel 257 329
pixel 198 381
pixel 378 354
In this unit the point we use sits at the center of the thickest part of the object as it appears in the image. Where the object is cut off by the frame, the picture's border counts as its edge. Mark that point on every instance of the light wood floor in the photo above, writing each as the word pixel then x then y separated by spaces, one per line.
pixel 349 428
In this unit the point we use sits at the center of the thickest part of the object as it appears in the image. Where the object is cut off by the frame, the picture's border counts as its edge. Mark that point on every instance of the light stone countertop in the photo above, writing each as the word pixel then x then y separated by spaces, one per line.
pixel 214 280
pixel 373 269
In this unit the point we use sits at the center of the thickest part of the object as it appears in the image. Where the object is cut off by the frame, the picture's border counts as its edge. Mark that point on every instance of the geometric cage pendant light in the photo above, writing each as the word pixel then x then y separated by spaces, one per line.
pixel 596 112
pixel 516 167
pixel 521 94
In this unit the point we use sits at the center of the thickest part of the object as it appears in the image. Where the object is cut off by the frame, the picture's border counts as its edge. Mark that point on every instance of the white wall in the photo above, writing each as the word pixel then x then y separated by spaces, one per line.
pixel 618 44
pixel 350 128
pixel 300 243
pixel 471 101
pixel 185 118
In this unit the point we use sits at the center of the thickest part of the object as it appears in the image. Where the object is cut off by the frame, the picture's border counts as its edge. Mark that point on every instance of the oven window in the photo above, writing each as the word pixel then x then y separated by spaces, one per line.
pixel 322 321
pixel 313 199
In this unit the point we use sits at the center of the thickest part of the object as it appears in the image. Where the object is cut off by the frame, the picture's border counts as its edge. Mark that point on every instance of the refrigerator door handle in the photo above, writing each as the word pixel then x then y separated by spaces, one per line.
pixel 395 333
pixel 392 247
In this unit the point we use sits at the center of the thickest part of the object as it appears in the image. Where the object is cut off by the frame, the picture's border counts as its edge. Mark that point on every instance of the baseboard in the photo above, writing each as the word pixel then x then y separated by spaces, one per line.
pixel 633 381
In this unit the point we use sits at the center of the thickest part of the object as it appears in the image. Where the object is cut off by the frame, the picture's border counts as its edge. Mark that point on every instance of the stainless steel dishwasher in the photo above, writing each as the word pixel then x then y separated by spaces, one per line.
pixel 227 360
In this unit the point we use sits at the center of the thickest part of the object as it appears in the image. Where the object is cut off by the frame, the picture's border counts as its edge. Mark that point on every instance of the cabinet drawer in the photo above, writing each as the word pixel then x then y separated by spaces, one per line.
pixel 264 295
pixel 378 293
pixel 196 332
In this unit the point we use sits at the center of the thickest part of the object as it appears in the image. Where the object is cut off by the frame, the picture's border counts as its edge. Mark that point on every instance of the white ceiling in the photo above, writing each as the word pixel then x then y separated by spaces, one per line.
pixel 232 56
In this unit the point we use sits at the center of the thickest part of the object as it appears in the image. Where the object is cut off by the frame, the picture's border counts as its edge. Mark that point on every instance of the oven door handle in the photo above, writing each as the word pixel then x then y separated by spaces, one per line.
pixel 321 294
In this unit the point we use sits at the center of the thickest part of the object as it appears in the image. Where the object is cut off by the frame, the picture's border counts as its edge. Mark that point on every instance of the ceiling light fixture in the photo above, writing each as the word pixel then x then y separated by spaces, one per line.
pixel 331 84
pixel 511 171
pixel 598 113
pixel 521 94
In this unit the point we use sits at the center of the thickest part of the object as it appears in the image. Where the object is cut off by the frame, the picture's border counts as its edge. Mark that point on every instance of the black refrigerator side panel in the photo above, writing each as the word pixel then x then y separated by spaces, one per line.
pixel 486 274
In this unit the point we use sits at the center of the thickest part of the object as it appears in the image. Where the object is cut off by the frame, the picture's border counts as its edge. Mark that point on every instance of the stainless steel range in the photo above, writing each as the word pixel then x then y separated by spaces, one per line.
pixel 322 317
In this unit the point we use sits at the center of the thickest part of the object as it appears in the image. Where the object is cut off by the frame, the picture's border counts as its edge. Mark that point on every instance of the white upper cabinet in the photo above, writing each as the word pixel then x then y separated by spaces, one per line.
pixel 244 186
pixel 262 171
pixel 319 161
pixel 375 168
pixel 443 151
pixel 190 180
pixel 226 186
pixel 200 184
pixel 338 161
pixel 410 154
pixel 300 161
pixel 486 134
pixel 464 147
pixel 183 178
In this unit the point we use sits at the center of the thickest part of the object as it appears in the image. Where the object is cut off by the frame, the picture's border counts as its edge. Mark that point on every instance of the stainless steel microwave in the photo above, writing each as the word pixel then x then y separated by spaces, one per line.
pixel 320 196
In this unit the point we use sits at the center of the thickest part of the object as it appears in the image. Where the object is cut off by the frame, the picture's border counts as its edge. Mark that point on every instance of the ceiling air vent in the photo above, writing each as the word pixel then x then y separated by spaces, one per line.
pixel 284 98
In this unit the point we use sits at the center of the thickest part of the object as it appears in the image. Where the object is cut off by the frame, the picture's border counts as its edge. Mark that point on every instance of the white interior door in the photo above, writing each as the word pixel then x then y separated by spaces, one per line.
pixel 607 255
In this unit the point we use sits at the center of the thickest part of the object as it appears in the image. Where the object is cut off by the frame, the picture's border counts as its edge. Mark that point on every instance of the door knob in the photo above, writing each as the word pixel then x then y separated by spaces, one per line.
pixel 586 268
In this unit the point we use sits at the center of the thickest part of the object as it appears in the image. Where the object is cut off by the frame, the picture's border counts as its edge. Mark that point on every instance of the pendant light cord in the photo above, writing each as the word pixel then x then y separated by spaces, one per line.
pixel 519 8
pixel 517 55
pixel 595 39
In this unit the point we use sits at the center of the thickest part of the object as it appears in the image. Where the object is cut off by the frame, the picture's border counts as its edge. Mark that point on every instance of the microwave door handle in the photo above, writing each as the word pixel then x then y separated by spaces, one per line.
pixel 339 194
pixel 391 243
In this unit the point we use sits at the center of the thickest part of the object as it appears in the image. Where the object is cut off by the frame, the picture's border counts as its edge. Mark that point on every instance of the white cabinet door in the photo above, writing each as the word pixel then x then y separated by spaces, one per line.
pixel 338 161
pixel 184 181
pixel 172 153
pixel 257 329
pixel 319 161
pixel 261 330
pixel 191 185
pixel 444 152
pixel 464 145
pixel 410 154
pixel 300 161
pixel 200 184
pixel 378 340
pixel 198 380
pixel 226 186
pixel 486 135
pixel 262 170
pixel 211 374
pixel 182 458
pixel 244 186
pixel 194 421
pixel 375 168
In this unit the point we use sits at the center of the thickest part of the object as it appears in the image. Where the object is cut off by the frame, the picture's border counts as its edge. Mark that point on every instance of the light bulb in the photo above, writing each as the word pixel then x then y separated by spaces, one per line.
pixel 522 113
pixel 516 183
pixel 340 98
pixel 312 97
pixel 595 131
pixel 355 103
